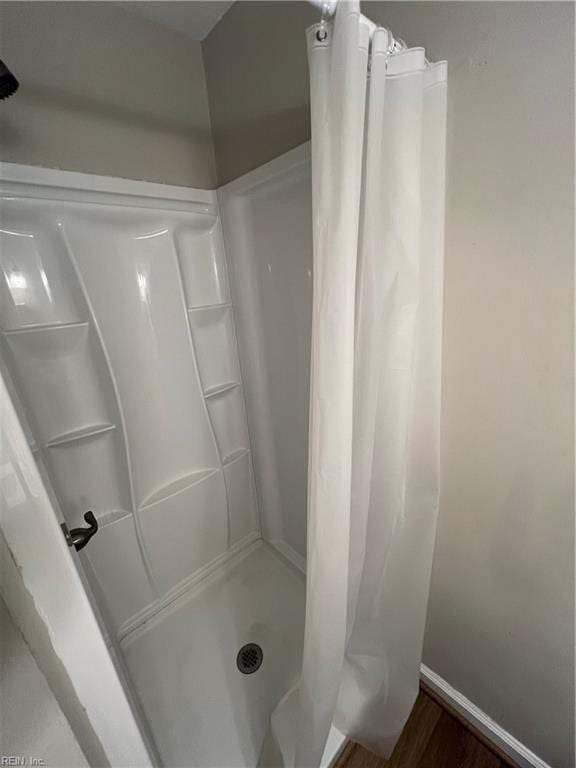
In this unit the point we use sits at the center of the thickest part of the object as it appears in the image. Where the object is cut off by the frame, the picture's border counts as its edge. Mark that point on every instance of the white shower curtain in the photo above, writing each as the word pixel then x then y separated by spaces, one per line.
pixel 378 157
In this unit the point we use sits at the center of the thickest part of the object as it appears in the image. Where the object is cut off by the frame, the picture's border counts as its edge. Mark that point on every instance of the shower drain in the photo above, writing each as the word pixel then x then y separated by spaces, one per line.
pixel 249 658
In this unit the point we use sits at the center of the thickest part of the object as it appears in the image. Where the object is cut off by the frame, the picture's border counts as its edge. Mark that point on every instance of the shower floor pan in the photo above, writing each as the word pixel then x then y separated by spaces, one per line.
pixel 202 710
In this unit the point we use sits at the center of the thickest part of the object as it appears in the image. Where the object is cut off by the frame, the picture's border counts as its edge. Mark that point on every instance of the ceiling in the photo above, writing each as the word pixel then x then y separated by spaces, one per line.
pixel 194 18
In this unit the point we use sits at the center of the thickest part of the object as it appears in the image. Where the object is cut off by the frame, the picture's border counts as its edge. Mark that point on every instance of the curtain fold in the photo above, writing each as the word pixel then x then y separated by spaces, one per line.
pixel 381 671
pixel 378 158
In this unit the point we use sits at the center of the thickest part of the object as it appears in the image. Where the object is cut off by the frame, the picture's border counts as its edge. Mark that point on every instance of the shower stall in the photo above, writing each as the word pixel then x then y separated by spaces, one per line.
pixel 156 345
pixel 175 372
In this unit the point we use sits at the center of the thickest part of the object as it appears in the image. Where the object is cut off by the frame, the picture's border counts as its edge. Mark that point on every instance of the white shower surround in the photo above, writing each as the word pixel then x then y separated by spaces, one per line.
pixel 113 296
pixel 123 327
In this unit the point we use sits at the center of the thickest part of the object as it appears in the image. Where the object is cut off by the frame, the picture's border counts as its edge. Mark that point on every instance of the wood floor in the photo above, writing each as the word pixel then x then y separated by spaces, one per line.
pixel 432 738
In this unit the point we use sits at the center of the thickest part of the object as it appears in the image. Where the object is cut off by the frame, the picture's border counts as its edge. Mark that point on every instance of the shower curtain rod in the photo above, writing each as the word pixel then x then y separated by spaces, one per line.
pixel 328 8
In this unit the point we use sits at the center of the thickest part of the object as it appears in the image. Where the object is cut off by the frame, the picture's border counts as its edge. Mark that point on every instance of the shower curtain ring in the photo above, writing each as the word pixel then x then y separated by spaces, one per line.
pixel 322 32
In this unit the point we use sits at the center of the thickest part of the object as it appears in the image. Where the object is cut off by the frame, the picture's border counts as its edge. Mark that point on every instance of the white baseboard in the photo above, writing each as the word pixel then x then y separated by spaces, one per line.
pixel 333 749
pixel 480 720
pixel 521 755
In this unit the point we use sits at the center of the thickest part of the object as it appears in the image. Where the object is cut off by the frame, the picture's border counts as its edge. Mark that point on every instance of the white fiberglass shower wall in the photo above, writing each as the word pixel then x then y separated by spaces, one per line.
pixel 118 337
pixel 267 217
pixel 118 345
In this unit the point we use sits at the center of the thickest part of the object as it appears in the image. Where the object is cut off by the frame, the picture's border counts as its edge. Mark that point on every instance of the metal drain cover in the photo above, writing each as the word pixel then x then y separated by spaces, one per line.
pixel 249 658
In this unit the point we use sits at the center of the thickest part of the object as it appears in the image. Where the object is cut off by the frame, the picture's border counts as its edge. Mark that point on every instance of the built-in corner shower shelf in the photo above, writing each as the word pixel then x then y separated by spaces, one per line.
pixel 220 389
pixel 177 486
pixel 84 433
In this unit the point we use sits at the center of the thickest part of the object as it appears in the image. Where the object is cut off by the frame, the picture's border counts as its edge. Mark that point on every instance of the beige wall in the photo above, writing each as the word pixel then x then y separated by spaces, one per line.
pixel 501 612
pixel 257 75
pixel 104 91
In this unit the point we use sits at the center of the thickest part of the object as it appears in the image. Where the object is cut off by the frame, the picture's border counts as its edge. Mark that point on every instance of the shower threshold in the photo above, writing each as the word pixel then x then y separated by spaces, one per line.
pixel 202 711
